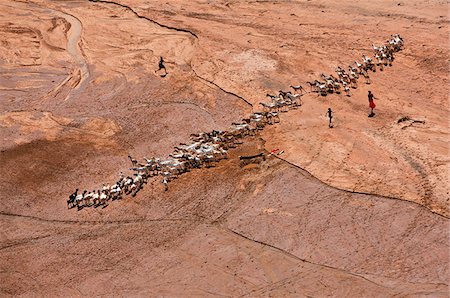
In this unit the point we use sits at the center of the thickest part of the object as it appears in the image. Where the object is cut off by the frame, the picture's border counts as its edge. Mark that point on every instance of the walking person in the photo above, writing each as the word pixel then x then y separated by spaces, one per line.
pixel 372 105
pixel 162 66
pixel 330 117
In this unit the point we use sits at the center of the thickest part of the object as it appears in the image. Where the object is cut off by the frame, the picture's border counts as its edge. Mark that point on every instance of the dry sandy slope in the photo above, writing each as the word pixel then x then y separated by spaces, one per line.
pixel 313 37
pixel 248 235
pixel 266 229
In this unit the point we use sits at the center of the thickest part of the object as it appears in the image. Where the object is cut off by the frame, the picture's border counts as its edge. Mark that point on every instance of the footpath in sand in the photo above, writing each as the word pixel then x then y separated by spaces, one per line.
pixel 264 229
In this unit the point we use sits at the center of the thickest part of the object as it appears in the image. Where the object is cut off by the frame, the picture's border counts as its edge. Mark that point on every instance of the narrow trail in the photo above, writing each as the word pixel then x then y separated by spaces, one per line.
pixel 295 257
pixel 92 222
pixel 292 256
pixel 14 244
pixel 309 174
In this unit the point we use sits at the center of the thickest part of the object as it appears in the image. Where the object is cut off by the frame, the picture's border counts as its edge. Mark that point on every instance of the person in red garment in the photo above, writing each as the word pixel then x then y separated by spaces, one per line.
pixel 371 103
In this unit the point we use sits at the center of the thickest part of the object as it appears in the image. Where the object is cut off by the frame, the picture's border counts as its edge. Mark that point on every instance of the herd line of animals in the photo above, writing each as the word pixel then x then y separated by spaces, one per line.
pixel 208 148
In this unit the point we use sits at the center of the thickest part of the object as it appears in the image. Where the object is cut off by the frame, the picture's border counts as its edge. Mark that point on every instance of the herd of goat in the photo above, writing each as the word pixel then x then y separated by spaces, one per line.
pixel 348 78
pixel 207 148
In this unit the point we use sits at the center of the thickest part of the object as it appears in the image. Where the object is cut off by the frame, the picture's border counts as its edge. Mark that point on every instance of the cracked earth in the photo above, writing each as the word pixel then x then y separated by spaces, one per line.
pixel 359 210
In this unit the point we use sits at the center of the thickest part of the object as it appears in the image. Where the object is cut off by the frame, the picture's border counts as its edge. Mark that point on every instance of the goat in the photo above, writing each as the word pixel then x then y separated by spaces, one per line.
pixel 298 88
pixel 133 161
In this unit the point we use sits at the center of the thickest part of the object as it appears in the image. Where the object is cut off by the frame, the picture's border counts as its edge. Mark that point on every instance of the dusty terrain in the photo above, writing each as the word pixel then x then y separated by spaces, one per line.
pixel 358 210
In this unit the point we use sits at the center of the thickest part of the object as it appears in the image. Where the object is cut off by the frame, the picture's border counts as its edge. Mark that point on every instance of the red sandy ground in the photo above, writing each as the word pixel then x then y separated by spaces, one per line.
pixel 78 91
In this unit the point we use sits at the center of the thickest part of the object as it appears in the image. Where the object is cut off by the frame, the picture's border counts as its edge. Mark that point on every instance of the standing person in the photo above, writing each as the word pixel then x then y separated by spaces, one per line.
pixel 330 117
pixel 371 103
